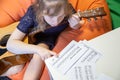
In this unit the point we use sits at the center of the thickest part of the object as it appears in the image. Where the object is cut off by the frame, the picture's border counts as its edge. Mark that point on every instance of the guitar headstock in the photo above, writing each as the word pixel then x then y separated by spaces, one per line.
pixel 92 13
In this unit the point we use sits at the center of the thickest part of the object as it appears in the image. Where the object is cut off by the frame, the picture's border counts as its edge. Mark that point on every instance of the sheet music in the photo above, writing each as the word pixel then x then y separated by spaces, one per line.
pixel 84 71
pixel 49 62
pixel 75 62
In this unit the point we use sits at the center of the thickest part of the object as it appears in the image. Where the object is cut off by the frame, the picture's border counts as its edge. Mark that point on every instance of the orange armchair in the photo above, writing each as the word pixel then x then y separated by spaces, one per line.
pixel 12 10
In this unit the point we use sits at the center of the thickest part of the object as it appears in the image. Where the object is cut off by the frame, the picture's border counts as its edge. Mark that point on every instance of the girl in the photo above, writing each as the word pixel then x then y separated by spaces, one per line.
pixel 42 23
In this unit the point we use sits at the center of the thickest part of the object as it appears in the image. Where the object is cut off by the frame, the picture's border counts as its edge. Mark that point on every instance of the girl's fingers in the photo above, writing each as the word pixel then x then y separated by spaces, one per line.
pixel 82 22
pixel 53 53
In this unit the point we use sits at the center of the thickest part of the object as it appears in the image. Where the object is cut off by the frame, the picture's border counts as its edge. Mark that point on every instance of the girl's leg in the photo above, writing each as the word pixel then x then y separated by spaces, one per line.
pixel 34 69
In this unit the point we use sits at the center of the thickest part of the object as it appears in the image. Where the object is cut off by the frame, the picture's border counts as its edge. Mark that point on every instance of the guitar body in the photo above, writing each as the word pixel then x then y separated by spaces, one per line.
pixel 14 60
pixel 8 59
pixel 5 31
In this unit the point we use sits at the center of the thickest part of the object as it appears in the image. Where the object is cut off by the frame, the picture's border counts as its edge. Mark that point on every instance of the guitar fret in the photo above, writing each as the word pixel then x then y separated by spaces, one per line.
pixel 97 12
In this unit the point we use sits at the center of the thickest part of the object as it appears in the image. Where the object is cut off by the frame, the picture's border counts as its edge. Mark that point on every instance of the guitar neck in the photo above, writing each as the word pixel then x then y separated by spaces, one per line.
pixel 91 13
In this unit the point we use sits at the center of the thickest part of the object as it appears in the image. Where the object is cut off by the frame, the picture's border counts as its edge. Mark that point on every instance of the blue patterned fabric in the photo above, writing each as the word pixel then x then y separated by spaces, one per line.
pixel 49 36
pixel 4 78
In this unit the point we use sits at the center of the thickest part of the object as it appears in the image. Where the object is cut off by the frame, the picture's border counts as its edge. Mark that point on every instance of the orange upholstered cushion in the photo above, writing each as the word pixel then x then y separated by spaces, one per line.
pixel 12 10
pixel 88 31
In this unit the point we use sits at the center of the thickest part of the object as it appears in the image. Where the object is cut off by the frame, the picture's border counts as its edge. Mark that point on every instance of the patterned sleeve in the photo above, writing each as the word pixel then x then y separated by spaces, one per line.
pixel 26 21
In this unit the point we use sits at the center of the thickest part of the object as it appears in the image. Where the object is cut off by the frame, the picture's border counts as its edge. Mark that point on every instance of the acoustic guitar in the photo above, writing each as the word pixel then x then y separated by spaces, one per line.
pixel 8 61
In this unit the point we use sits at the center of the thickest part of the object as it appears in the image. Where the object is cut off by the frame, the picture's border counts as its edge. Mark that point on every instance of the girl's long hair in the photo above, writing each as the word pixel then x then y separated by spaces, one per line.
pixel 39 8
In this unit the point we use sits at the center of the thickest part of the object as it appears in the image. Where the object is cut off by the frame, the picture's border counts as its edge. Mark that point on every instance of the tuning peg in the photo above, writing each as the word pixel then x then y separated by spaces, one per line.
pixel 101 17
pixel 88 19
pixel 95 18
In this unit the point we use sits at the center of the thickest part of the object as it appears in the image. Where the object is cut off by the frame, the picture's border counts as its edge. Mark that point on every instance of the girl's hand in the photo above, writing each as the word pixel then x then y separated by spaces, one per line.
pixel 75 21
pixel 45 53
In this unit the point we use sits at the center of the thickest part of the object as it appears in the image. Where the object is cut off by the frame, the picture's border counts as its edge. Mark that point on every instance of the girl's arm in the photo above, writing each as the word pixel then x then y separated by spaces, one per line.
pixel 17 46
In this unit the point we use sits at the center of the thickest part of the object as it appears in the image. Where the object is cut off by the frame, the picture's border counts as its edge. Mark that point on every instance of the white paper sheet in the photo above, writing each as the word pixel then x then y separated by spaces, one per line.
pixel 75 62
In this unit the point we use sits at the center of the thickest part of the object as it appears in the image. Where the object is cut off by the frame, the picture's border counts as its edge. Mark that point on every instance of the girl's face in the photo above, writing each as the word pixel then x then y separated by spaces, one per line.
pixel 56 19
